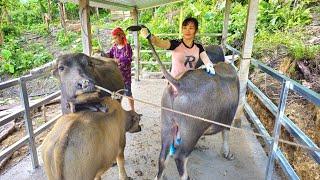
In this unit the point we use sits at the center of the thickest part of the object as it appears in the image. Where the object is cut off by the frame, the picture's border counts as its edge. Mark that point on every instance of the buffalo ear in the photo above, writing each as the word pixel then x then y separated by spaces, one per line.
pixel 85 60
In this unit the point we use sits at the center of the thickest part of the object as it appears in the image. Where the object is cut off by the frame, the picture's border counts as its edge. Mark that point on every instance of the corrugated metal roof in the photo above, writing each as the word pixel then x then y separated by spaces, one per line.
pixel 126 4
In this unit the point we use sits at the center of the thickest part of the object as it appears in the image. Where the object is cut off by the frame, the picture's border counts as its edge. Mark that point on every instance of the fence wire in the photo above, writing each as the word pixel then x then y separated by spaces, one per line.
pixel 117 95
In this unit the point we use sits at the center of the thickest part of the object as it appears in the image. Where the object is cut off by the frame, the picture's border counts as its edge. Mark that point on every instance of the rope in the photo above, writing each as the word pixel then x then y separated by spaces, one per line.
pixel 210 121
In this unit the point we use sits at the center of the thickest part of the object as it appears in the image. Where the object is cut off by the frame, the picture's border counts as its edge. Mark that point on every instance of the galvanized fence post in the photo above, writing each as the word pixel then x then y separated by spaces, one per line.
pixel 277 128
pixel 28 123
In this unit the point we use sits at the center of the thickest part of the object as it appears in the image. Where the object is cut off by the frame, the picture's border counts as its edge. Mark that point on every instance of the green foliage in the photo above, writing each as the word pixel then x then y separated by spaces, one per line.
pixel 16 59
pixel 65 39
pixel 304 52
pixel 72 10
pixel 9 30
pixel 266 42
pixel 275 16
pixel 40 29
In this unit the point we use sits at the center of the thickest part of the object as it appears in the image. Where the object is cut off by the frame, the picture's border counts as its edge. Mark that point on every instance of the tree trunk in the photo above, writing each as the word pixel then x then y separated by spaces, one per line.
pixel 1 37
pixel 97 11
pixel 62 15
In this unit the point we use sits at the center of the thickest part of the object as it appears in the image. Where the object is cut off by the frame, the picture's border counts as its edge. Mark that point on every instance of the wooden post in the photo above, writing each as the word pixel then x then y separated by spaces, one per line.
pixel 136 52
pixel 85 26
pixel 225 24
pixel 246 52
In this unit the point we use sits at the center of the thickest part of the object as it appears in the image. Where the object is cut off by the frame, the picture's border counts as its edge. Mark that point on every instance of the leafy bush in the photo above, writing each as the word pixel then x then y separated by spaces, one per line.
pixel 275 16
pixel 266 42
pixel 10 30
pixel 66 38
pixel 16 59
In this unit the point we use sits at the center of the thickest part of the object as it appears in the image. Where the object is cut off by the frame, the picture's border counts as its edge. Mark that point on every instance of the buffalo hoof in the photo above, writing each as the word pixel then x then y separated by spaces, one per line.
pixel 228 155
pixel 164 177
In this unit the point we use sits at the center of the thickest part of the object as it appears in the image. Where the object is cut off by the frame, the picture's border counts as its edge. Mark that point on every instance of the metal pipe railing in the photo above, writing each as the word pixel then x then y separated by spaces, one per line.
pixel 281 119
pixel 25 110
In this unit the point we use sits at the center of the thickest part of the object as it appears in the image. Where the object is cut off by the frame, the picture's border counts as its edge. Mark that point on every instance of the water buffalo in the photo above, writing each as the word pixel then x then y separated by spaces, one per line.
pixel 83 145
pixel 214 97
pixel 78 73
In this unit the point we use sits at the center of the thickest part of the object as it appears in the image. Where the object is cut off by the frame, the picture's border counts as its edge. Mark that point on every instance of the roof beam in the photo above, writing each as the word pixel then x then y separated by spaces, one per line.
pixel 159 4
pixel 123 6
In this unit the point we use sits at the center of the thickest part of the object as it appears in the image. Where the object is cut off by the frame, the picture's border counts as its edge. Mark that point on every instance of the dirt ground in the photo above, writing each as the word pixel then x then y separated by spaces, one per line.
pixel 143 148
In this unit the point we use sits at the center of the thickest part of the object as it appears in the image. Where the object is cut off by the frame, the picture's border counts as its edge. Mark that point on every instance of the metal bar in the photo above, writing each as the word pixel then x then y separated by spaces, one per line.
pixel 4 120
pixel 285 165
pixel 28 122
pixel 232 49
pixel 46 125
pixel 296 87
pixel 24 140
pixel 136 52
pixel 287 123
pixel 9 83
pixel 259 126
pixel 121 5
pixel 44 68
pixel 233 54
pixel 13 82
pixel 199 35
pixel 277 129
pixel 160 4
pixel 158 51
pixel 13 147
pixel 155 63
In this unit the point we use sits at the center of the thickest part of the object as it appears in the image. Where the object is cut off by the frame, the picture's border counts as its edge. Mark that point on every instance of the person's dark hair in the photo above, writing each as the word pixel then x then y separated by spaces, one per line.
pixel 191 20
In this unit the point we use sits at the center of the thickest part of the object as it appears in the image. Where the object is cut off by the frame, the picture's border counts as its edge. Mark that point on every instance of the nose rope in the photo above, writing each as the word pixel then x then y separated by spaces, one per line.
pixel 212 122
pixel 114 95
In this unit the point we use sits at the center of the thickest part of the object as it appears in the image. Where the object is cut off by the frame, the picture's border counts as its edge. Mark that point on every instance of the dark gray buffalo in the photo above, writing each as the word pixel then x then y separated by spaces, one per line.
pixel 214 97
pixel 78 73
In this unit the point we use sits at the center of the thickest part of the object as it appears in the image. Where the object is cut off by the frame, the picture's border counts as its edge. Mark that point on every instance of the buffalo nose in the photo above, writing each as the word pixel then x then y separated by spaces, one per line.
pixel 86 85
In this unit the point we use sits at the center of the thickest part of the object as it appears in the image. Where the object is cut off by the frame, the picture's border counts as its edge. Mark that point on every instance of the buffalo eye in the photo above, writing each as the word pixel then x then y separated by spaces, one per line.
pixel 61 68
pixel 90 64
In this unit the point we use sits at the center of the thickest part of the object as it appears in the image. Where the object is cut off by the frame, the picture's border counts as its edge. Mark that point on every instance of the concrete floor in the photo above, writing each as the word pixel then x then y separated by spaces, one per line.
pixel 143 148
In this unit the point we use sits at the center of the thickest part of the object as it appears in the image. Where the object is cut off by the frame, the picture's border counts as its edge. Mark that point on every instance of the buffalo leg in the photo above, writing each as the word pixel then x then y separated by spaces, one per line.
pixel 181 163
pixel 225 145
pixel 164 153
pixel 120 162
pixel 100 172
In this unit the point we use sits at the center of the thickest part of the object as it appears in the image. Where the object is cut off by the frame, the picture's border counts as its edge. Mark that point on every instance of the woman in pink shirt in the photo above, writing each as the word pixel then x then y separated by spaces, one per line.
pixel 185 52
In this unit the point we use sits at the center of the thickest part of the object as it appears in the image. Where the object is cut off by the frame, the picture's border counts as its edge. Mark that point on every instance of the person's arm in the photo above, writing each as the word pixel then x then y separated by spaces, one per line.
pixel 165 44
pixel 110 53
pixel 205 59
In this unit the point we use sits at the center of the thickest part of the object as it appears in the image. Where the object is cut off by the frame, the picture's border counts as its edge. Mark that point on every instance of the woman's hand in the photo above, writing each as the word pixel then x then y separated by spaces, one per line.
pixel 145 33
pixel 117 60
pixel 210 69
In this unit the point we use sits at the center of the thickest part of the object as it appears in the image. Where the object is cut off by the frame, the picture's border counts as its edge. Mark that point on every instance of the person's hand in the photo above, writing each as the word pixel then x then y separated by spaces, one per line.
pixel 103 54
pixel 210 69
pixel 145 33
pixel 116 60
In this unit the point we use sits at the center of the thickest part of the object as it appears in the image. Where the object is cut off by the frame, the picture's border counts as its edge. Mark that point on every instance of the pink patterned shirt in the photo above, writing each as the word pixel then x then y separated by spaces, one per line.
pixel 125 56
pixel 183 57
